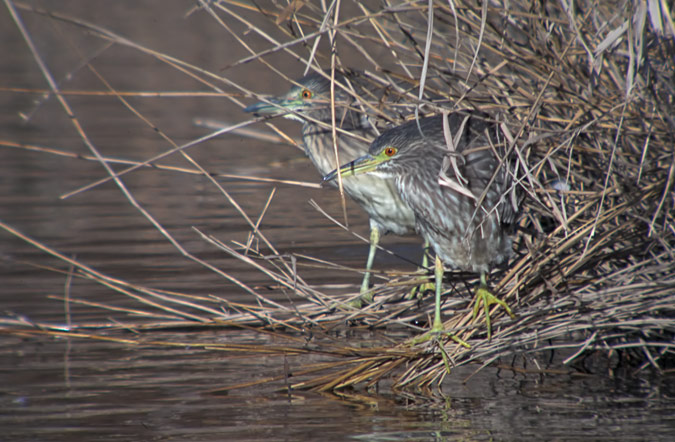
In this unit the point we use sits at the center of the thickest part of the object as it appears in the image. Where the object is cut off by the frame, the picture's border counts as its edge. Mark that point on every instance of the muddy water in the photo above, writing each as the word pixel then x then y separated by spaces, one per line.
pixel 66 389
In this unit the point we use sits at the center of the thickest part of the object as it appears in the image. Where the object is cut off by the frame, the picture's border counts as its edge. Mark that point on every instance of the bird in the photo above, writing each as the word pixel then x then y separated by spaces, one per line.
pixel 459 189
pixel 309 102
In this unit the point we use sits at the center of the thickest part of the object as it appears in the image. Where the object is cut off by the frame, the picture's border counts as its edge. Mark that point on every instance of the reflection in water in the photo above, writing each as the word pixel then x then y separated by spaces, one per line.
pixel 86 390
pixel 58 389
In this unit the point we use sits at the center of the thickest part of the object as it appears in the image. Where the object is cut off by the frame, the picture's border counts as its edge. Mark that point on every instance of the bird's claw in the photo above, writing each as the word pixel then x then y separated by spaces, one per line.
pixel 485 299
pixel 422 286
pixel 435 333
pixel 364 299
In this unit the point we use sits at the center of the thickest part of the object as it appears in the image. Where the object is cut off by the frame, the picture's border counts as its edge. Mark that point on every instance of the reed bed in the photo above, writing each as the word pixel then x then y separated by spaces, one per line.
pixel 584 91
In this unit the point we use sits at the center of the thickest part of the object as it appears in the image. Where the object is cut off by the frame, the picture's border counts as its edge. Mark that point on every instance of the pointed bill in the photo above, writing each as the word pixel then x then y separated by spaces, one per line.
pixel 366 163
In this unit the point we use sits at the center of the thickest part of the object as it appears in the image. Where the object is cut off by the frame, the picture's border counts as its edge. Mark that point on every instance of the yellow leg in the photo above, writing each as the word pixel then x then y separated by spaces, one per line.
pixel 425 255
pixel 485 298
pixel 437 327
pixel 419 290
pixel 438 273
pixel 367 294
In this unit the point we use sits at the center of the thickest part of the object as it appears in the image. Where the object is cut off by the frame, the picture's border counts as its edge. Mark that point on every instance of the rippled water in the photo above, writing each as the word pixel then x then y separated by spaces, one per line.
pixel 74 389
pixel 82 390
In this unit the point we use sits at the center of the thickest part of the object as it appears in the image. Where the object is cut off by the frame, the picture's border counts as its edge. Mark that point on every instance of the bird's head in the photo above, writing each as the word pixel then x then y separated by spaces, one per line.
pixel 400 150
pixel 309 98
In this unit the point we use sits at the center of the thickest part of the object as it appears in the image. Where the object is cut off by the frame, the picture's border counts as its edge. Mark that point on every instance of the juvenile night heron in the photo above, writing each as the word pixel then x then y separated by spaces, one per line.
pixel 310 103
pixel 466 220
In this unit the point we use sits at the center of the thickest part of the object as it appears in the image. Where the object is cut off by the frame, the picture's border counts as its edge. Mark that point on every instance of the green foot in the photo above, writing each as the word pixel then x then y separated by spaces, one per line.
pixel 437 330
pixel 435 335
pixel 365 299
pixel 485 299
pixel 425 285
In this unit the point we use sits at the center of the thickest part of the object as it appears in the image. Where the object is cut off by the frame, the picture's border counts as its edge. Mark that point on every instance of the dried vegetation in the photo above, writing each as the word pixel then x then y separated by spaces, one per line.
pixel 585 91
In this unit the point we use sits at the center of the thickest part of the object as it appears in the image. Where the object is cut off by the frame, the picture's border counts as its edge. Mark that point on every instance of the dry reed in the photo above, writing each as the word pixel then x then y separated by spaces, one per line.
pixel 585 93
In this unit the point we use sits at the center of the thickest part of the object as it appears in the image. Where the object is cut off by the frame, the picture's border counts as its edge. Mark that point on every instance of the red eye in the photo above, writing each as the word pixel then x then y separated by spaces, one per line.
pixel 390 151
pixel 306 94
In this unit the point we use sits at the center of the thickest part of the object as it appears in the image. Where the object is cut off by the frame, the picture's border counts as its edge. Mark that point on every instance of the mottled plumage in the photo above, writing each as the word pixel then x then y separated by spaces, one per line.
pixel 465 238
pixel 309 103
pixel 467 220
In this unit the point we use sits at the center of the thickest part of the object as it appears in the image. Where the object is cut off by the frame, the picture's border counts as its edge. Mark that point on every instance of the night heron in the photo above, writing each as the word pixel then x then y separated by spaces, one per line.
pixel 309 102
pixel 446 176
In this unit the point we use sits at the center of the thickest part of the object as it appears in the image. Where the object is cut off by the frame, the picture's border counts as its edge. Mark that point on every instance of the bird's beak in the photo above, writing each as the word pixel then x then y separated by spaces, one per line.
pixel 275 106
pixel 364 164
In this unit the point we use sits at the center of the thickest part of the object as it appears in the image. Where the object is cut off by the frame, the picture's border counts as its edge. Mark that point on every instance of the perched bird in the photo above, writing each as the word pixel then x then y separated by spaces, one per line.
pixel 309 102
pixel 458 188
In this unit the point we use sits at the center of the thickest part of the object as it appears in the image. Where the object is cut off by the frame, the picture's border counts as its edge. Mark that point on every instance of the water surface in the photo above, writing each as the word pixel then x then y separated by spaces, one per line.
pixel 79 389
